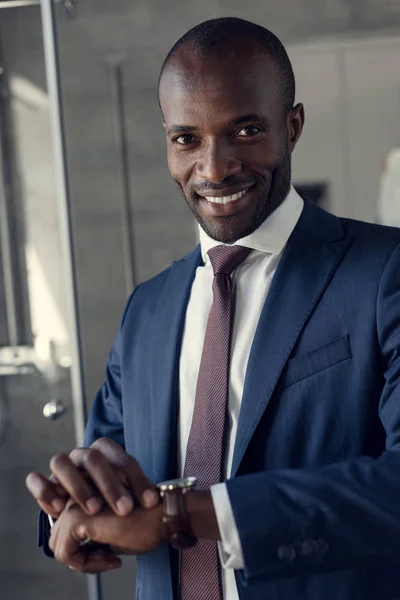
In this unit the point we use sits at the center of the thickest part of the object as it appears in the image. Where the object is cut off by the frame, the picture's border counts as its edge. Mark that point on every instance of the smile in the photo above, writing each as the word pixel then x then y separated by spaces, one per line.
pixel 226 199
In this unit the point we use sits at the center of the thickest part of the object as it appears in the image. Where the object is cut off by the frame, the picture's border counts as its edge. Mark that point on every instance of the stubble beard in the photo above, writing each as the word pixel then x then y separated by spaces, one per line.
pixel 227 229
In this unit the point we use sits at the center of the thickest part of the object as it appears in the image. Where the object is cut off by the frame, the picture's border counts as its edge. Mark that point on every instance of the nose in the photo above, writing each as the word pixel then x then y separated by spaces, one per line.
pixel 217 162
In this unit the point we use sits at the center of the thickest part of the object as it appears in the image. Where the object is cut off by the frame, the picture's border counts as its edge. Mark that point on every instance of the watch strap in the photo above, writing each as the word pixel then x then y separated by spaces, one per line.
pixel 177 521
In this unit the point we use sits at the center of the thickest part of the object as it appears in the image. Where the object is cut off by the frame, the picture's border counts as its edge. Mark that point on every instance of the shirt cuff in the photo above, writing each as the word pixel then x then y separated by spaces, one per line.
pixel 230 549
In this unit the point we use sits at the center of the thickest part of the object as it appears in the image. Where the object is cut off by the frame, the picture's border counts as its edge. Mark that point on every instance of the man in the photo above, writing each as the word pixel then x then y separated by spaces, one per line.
pixel 266 363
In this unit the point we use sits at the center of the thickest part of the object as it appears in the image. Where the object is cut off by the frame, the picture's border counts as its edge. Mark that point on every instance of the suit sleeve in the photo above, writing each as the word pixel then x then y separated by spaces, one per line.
pixel 299 521
pixel 105 419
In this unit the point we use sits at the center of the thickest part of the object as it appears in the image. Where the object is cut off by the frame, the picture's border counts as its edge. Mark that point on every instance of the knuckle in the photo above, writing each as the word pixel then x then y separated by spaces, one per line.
pixel 103 442
pixel 76 454
pixel 84 531
pixel 109 449
pixel 58 461
pixel 130 461
pixel 91 457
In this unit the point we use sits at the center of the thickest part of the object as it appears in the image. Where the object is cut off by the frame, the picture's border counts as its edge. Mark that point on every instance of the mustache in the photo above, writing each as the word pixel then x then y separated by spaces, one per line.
pixel 207 186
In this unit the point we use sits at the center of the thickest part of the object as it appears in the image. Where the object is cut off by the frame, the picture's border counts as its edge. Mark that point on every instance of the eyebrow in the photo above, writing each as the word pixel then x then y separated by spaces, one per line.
pixel 251 117
pixel 254 118
pixel 180 129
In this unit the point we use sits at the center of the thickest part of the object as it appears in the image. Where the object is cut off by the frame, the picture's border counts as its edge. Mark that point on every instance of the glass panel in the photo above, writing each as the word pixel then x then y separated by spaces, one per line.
pixel 36 414
pixel 100 197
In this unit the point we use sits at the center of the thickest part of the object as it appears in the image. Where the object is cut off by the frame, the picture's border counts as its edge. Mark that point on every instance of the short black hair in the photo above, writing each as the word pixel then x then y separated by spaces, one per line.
pixel 217 35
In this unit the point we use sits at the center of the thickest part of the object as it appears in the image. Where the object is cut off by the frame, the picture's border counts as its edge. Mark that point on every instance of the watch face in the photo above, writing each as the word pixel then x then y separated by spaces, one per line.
pixel 186 483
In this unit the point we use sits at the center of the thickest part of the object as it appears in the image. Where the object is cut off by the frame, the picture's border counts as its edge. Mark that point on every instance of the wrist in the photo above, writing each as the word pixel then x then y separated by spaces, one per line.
pixel 202 515
pixel 160 526
pixel 139 532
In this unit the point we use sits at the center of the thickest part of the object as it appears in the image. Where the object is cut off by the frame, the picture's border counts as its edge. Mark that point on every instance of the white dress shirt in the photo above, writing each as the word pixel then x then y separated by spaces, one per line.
pixel 252 280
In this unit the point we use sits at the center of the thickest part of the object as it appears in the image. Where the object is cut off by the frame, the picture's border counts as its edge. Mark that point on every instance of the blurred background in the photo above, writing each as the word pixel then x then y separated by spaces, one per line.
pixel 87 208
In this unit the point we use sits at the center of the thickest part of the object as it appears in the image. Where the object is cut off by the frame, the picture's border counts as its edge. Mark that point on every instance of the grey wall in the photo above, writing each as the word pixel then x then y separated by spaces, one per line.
pixel 350 90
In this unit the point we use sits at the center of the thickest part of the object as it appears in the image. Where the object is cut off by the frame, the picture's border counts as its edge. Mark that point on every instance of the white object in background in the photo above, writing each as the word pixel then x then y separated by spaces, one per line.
pixel 389 191
pixel 26 91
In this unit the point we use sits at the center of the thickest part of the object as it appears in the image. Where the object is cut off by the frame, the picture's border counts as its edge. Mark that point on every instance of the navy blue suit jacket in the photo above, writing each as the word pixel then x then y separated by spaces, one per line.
pixel 315 485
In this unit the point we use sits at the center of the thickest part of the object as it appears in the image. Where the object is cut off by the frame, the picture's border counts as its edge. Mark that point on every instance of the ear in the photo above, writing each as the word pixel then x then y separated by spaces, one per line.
pixel 295 125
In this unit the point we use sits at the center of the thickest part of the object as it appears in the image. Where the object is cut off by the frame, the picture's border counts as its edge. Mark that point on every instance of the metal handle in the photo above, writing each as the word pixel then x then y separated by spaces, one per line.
pixel 54 410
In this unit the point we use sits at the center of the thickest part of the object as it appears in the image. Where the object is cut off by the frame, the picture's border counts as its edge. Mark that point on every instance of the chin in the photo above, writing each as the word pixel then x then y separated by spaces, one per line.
pixel 226 233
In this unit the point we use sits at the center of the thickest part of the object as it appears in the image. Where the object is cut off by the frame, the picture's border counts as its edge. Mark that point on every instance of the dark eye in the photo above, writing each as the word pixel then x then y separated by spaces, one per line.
pixel 184 139
pixel 249 131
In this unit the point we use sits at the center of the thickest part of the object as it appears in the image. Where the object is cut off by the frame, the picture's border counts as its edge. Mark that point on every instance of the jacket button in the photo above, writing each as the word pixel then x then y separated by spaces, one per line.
pixel 323 546
pixel 287 553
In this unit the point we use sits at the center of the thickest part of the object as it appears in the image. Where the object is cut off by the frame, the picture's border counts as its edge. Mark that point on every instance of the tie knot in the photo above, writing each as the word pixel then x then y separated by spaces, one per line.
pixel 225 259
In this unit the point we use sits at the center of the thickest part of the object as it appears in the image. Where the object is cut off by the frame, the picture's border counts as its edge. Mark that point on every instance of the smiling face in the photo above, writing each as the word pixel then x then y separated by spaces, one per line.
pixel 229 139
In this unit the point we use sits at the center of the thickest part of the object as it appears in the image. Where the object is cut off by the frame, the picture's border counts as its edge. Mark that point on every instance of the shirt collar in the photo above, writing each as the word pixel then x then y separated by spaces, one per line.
pixel 272 235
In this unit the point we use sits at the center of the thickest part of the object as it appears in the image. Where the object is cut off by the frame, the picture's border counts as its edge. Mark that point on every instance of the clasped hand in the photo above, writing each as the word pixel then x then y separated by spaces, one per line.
pixel 92 494
pixel 139 532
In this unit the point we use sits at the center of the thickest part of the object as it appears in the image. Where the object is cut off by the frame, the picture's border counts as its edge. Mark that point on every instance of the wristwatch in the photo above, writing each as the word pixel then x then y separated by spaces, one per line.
pixel 176 518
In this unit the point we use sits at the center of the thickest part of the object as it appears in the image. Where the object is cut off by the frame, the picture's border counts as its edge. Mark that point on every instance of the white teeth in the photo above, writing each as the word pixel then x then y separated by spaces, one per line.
pixel 226 199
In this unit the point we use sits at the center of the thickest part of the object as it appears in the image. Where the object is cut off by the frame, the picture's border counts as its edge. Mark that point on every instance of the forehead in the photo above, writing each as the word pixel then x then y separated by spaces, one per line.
pixel 219 89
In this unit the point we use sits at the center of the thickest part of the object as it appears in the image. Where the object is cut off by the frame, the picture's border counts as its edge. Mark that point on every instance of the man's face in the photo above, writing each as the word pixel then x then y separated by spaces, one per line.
pixel 229 140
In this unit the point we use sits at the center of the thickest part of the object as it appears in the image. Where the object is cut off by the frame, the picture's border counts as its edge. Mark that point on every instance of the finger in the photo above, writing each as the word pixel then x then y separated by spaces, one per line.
pixel 96 562
pixel 46 493
pixel 74 482
pixel 107 481
pixel 144 490
pixel 60 490
pixel 102 560
pixel 67 548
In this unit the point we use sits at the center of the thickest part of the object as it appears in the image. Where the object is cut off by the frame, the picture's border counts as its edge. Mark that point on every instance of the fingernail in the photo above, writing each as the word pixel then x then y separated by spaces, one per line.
pixel 58 504
pixel 94 505
pixel 124 505
pixel 150 498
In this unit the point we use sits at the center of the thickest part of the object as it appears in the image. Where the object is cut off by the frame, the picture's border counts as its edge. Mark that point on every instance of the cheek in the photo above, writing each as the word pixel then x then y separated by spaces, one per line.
pixel 261 161
pixel 180 167
pixel 269 156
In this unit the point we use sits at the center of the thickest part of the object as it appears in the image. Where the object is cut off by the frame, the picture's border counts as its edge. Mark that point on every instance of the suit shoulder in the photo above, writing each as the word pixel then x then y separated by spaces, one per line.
pixel 155 283
pixel 148 292
pixel 326 226
pixel 372 234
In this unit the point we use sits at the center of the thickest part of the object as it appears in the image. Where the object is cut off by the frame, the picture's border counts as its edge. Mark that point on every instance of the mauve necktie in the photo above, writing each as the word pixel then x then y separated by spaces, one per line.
pixel 200 573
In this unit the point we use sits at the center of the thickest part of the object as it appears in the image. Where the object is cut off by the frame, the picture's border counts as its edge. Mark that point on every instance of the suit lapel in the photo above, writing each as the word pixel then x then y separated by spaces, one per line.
pixel 312 255
pixel 168 323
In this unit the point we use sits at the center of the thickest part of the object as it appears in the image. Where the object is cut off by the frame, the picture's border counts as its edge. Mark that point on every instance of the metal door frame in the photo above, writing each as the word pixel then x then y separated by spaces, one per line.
pixel 51 53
